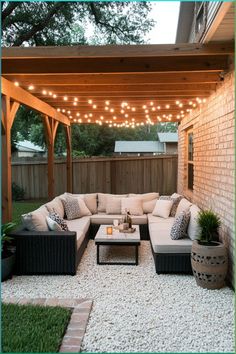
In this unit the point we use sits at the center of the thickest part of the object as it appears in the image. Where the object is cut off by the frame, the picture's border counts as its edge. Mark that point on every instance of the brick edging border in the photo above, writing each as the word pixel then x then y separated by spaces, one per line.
pixel 81 308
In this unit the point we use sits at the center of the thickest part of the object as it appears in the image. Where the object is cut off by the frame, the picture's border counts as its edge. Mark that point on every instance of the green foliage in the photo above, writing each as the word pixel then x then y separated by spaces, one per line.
pixel 30 329
pixel 209 224
pixel 18 192
pixel 5 238
pixel 40 23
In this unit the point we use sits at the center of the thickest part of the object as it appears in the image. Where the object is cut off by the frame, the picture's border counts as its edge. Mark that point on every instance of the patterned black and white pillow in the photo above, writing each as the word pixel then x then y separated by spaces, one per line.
pixel 72 209
pixel 55 217
pixel 180 225
pixel 175 200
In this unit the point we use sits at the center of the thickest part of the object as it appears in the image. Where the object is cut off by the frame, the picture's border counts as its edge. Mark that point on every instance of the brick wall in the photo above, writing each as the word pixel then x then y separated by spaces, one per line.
pixel 213 131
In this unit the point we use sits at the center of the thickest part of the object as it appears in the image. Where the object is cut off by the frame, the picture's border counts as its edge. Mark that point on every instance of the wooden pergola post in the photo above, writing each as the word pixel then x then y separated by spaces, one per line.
pixel 69 166
pixel 8 115
pixel 51 126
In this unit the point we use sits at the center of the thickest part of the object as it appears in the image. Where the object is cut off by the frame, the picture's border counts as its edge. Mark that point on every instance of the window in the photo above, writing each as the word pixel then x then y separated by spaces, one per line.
pixel 190 174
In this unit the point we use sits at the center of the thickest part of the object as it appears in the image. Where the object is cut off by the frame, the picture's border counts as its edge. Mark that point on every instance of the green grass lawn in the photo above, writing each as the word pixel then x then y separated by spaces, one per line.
pixel 30 329
pixel 20 208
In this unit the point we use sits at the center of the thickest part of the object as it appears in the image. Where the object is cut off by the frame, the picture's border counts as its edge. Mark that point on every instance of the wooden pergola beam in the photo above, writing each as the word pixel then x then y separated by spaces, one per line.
pixel 45 81
pixel 126 51
pixel 114 65
pixel 22 96
pixel 69 165
pixel 9 110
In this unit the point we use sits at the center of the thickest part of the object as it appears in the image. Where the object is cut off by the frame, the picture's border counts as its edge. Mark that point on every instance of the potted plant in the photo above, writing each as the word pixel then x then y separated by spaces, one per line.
pixel 8 251
pixel 209 256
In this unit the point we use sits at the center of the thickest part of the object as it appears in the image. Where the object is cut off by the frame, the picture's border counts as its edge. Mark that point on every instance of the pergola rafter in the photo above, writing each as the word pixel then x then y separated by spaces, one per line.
pixel 107 84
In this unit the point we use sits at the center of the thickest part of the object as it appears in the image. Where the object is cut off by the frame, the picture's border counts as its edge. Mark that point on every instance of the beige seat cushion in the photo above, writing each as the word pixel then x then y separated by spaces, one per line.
pixel 162 243
pixel 104 219
pixel 158 219
pixel 81 224
pixel 184 204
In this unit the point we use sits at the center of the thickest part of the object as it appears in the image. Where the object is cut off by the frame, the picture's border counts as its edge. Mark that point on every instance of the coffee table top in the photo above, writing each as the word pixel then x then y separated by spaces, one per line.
pixel 117 236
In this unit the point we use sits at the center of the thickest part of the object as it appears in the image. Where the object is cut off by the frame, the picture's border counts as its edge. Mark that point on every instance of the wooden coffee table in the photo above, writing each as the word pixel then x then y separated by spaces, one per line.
pixel 117 239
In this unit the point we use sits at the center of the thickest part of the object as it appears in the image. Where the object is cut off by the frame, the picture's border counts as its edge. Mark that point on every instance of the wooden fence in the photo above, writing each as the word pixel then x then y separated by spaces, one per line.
pixel 107 175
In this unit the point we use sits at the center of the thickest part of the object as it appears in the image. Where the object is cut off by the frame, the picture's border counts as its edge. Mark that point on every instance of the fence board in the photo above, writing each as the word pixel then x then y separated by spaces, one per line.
pixel 108 175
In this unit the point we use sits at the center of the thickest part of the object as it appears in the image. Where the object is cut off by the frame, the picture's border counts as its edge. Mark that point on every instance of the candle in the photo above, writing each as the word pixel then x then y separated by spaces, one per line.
pixel 109 230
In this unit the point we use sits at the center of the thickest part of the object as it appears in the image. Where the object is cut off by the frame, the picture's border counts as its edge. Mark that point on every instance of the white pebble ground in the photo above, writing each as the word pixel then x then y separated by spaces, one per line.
pixel 136 310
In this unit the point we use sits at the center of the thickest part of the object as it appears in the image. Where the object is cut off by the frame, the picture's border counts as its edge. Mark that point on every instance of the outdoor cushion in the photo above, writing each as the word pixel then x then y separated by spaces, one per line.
pixel 53 225
pixel 158 219
pixel 102 200
pixel 81 224
pixel 104 219
pixel 80 236
pixel 149 205
pixel 162 243
pixel 162 208
pixel 193 228
pixel 180 225
pixel 72 209
pixel 131 204
pixel 184 204
pixel 176 198
pixel 113 205
pixel 56 217
pixel 36 221
pixel 90 200
pixel 57 206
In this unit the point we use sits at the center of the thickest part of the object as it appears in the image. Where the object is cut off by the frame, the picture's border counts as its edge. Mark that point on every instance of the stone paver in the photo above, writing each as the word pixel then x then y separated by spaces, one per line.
pixel 81 308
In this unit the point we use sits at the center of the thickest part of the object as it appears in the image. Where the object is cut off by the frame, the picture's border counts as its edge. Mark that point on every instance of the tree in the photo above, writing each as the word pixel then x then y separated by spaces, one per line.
pixel 64 23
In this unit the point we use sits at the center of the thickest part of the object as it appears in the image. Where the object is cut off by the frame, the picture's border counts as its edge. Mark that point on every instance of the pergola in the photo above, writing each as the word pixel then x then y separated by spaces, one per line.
pixel 121 86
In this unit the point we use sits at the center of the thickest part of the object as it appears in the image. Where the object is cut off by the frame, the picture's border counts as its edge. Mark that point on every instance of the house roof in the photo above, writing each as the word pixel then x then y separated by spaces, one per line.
pixel 168 137
pixel 139 146
pixel 26 145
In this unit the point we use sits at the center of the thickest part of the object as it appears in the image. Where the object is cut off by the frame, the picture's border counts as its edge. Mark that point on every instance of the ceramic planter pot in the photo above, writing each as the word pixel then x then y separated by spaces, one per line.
pixel 209 264
pixel 7 266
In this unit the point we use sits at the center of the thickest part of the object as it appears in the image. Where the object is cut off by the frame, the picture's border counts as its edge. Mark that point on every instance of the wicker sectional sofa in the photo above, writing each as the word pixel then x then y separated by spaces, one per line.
pixel 59 252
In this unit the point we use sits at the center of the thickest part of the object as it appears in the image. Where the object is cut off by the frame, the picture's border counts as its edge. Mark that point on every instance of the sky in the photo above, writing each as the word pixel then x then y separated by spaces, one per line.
pixel 166 16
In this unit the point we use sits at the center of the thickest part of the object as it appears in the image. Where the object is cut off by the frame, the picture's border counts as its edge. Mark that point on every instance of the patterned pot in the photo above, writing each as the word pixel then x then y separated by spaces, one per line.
pixel 209 264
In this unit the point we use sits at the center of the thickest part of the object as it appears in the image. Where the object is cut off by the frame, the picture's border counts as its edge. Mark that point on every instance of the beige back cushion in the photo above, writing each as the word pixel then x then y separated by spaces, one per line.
pixel 184 204
pixel 132 204
pixel 90 200
pixel 36 221
pixel 113 205
pixel 193 228
pixel 102 200
pixel 148 200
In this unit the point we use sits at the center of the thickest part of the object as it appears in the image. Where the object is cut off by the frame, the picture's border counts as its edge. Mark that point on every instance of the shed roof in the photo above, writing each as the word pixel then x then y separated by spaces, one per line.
pixel 139 146
pixel 26 145
pixel 168 137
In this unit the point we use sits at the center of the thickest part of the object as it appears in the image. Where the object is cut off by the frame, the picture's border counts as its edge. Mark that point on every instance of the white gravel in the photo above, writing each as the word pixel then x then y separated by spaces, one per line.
pixel 136 310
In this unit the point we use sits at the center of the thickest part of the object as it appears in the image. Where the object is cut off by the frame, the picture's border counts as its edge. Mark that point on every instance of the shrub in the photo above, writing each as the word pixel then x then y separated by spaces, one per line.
pixel 18 192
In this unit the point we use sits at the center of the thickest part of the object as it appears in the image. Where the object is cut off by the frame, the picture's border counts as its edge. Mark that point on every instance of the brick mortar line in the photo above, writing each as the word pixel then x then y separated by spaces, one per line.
pixel 81 309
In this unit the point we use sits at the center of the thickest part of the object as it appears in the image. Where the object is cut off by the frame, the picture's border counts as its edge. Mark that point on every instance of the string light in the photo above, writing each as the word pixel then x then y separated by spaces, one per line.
pixel 65 98
pixel 31 87
pixel 16 83
pixel 44 92
pixel 90 101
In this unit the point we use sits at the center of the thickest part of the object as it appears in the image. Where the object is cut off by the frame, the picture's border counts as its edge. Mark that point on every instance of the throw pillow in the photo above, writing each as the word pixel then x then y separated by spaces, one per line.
pixel 61 222
pixel 113 205
pixel 35 221
pixel 57 206
pixel 176 198
pixel 71 207
pixel 179 227
pixel 91 202
pixel 132 204
pixel 53 225
pixel 162 208
pixel 184 204
pixel 102 200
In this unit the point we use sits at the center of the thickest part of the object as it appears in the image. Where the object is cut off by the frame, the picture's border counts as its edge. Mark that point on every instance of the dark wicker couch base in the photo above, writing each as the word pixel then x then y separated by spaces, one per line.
pixel 172 263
